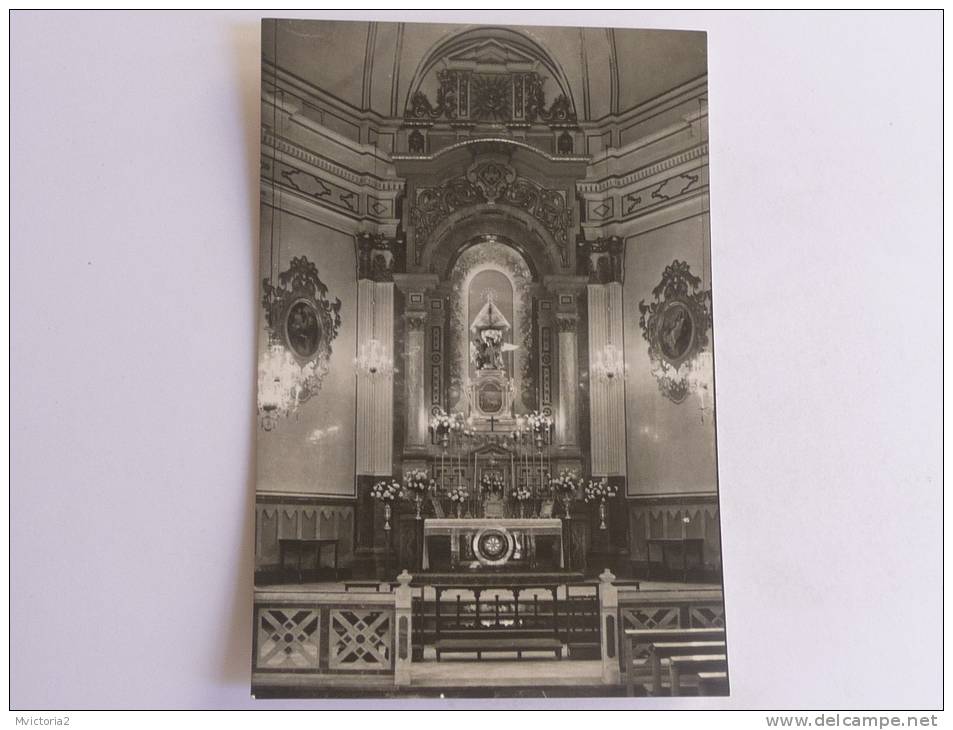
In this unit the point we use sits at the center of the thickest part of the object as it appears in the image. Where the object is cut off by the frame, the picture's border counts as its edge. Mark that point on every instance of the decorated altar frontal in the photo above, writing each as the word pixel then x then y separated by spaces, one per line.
pixel 481 543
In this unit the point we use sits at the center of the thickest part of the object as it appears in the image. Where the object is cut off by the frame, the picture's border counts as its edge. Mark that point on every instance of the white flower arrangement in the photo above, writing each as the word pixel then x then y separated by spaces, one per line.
pixel 492 483
pixel 567 482
pixel 443 422
pixel 458 495
pixel 522 494
pixel 599 490
pixel 417 481
pixel 539 423
pixel 386 490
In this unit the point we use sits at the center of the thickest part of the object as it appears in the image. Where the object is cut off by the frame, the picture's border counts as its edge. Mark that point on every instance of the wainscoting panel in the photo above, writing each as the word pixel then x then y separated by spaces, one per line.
pixel 664 516
pixel 279 516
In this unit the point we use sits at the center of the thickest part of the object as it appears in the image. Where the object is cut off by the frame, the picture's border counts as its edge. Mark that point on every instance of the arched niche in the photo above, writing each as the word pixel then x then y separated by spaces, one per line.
pixel 485 259
pixel 468 226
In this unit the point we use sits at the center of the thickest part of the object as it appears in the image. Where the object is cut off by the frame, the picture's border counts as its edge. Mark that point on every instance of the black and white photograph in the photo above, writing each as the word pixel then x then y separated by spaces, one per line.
pixel 486 443
pixel 463 360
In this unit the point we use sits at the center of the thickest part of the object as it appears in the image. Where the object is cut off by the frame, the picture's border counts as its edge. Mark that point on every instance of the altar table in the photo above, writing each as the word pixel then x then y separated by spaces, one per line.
pixel 523 532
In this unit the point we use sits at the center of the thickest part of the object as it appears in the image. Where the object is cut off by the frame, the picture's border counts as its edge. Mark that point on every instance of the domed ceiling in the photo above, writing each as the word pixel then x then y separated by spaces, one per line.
pixel 378 67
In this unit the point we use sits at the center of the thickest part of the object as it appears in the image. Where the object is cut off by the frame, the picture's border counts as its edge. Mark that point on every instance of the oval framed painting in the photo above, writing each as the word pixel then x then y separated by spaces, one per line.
pixel 676 331
pixel 303 331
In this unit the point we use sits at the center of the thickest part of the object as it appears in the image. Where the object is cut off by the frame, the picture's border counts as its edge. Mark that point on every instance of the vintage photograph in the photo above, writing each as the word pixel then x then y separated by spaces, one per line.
pixel 486 433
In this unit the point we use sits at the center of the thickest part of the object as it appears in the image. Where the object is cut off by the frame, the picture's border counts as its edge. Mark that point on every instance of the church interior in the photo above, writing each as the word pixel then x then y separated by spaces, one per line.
pixel 486 456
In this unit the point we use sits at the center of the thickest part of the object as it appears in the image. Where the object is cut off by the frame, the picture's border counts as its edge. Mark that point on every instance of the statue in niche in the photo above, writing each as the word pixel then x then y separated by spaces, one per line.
pixel 488 350
pixel 489 326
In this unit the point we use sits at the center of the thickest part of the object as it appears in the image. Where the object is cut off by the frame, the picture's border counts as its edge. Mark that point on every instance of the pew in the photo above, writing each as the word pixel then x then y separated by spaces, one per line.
pixel 662 651
pixel 713 684
pixel 633 638
pixel 480 644
pixel 694 664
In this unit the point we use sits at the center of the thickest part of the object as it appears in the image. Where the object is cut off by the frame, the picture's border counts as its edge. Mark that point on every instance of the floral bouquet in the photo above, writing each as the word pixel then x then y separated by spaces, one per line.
pixel 492 484
pixel 596 491
pixel 386 490
pixel 417 482
pixel 458 495
pixel 442 422
pixel 522 494
pixel 566 483
pixel 539 423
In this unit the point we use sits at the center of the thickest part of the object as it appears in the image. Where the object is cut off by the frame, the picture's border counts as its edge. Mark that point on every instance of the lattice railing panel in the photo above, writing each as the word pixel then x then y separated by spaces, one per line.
pixel 650 618
pixel 360 639
pixel 288 639
pixel 707 617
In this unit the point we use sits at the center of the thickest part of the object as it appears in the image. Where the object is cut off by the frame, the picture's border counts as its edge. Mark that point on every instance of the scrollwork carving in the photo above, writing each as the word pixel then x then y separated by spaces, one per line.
pixel 301 317
pixel 508 98
pixel 491 181
pixel 676 326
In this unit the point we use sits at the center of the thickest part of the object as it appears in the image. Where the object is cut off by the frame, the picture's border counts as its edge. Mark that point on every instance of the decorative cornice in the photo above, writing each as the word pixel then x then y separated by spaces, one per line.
pixel 268 139
pixel 616 182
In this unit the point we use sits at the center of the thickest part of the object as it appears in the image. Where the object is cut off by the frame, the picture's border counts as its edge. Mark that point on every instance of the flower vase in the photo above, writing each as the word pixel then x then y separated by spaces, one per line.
pixel 386 517
pixel 566 502
pixel 459 509
pixel 522 509
pixel 539 442
pixel 444 440
pixel 602 513
pixel 418 502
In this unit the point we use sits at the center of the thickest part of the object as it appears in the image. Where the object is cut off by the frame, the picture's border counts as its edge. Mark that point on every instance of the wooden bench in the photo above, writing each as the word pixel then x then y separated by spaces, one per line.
pixel 713 684
pixel 509 644
pixel 646 637
pixel 694 664
pixel 665 650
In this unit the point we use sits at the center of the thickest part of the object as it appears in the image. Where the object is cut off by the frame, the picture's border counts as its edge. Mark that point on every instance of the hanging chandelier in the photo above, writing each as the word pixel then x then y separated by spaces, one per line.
pixel 281 384
pixel 373 360
pixel 609 364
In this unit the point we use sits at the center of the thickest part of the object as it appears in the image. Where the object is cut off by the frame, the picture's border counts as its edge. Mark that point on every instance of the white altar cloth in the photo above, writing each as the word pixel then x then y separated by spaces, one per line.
pixel 454 527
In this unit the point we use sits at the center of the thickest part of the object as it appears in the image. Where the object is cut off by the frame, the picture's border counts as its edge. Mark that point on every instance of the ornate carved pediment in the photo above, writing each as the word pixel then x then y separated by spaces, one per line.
pixel 505 97
pixel 494 182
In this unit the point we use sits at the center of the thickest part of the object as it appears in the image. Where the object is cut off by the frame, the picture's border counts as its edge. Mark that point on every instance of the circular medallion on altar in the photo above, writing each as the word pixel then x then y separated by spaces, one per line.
pixel 493 546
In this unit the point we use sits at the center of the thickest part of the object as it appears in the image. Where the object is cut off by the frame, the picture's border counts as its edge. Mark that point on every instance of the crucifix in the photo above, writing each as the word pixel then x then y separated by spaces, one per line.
pixel 492 423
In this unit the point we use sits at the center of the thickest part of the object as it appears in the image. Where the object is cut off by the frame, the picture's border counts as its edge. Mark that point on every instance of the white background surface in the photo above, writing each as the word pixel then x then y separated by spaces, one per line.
pixel 134 231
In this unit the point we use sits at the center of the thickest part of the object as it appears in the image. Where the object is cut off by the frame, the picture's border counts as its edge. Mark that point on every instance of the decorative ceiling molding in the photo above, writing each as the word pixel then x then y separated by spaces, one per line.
pixel 379 184
pixel 616 182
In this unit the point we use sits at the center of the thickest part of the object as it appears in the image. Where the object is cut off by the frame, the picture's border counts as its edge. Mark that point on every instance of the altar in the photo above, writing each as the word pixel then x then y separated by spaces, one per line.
pixel 481 543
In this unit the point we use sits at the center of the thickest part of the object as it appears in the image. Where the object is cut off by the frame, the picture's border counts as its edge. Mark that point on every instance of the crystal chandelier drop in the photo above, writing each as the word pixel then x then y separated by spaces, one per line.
pixel 372 358
pixel 281 382
pixel 609 363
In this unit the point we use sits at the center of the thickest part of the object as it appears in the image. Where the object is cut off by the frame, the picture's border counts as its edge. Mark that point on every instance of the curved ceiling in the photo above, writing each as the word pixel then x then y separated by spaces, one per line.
pixel 373 66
